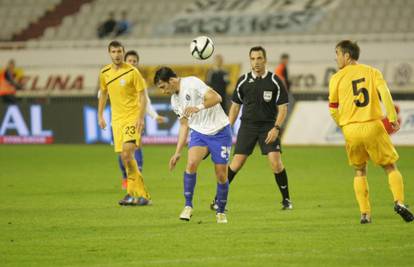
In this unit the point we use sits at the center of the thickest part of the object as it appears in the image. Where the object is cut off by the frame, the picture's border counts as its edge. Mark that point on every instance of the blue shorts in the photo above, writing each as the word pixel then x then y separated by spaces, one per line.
pixel 219 145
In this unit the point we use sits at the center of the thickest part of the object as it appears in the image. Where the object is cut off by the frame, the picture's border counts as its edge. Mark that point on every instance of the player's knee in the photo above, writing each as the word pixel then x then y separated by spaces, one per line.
pixel 361 170
pixel 126 157
pixel 191 166
pixel 277 166
pixel 236 165
pixel 221 176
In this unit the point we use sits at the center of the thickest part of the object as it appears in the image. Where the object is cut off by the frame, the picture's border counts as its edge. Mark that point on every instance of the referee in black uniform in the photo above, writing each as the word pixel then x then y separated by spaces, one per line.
pixel 265 100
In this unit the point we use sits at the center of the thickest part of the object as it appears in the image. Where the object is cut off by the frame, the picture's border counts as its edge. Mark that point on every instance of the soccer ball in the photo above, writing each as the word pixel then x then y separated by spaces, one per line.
pixel 202 47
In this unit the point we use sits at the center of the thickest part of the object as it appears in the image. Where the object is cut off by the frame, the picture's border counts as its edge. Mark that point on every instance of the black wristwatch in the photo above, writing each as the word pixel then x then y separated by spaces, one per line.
pixel 277 127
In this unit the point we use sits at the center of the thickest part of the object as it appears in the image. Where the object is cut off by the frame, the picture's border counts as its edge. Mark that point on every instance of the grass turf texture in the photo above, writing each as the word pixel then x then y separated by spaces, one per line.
pixel 58 207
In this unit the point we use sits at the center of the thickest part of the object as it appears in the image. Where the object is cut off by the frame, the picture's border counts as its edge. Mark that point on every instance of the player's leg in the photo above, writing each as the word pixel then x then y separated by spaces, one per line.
pixel 382 152
pixel 221 192
pixel 219 146
pixel 120 163
pixel 358 157
pixel 396 184
pixel 361 190
pixel 273 151
pixel 281 178
pixel 139 157
pixel 236 164
pixel 246 141
pixel 140 162
pixel 195 156
pixel 123 171
pixel 136 187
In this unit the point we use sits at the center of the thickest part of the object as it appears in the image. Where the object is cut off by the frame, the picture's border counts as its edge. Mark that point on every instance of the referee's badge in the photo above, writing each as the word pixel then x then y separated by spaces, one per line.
pixel 267 95
pixel 122 82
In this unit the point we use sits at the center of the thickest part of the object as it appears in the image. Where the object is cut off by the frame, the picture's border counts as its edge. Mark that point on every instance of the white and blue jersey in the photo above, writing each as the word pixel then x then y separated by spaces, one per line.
pixel 210 127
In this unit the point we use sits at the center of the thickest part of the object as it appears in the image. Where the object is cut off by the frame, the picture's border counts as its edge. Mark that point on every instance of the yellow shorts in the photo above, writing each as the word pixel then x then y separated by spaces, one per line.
pixel 367 140
pixel 125 132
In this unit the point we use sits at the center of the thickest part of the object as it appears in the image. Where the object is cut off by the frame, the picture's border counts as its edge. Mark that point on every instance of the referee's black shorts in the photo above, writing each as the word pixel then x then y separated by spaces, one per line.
pixel 249 134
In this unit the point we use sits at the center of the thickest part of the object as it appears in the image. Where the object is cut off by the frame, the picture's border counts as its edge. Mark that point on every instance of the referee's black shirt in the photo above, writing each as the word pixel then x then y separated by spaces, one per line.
pixel 260 97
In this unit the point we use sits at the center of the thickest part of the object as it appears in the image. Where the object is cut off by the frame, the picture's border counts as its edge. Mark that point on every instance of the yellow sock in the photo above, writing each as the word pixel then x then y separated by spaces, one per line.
pixel 395 181
pixel 362 193
pixel 136 186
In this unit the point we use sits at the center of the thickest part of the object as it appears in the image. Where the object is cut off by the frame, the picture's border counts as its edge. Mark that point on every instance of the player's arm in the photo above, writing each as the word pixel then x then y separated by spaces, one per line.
pixel 210 99
pixel 152 112
pixel 387 100
pixel 282 106
pixel 103 97
pixel 236 100
pixel 141 110
pixel 140 85
pixel 234 112
pixel 333 101
pixel 182 139
pixel 280 119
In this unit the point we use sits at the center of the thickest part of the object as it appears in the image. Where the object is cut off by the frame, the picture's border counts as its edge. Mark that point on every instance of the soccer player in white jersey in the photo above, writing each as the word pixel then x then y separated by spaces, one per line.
pixel 198 109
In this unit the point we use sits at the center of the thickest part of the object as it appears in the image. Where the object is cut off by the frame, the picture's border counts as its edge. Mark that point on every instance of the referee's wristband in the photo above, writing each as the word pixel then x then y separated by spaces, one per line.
pixel 277 127
pixel 200 107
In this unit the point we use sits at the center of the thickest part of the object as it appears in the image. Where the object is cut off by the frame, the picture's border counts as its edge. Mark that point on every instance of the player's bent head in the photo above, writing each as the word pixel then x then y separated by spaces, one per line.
pixel 258 49
pixel 115 44
pixel 164 74
pixel 350 48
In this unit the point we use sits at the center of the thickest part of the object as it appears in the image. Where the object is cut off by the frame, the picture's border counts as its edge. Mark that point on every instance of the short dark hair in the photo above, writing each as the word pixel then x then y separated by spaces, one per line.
pixel 258 48
pixel 131 53
pixel 164 74
pixel 349 47
pixel 115 44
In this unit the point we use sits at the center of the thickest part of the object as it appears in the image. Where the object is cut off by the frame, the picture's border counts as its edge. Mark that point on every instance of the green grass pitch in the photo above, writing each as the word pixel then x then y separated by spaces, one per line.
pixel 58 207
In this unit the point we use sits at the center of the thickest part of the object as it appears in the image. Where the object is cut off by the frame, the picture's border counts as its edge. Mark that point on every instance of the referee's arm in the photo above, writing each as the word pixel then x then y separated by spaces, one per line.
pixel 281 114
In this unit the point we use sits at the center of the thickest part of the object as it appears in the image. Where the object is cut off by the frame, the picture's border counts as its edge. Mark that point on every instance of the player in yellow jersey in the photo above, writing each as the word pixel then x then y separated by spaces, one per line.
pixel 126 89
pixel 355 93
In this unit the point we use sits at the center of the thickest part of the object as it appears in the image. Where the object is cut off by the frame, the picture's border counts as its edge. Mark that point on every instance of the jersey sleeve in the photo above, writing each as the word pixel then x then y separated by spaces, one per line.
pixel 333 100
pixel 237 93
pixel 102 82
pixel 139 82
pixel 282 97
pixel 385 94
pixel 199 86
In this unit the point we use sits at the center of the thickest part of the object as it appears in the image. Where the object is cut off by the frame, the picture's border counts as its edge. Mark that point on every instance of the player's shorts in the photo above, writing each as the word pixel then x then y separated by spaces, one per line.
pixel 249 134
pixel 368 140
pixel 125 132
pixel 219 145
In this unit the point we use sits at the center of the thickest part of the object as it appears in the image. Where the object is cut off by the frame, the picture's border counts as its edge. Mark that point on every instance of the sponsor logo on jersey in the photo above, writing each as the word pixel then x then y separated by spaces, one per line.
pixel 267 95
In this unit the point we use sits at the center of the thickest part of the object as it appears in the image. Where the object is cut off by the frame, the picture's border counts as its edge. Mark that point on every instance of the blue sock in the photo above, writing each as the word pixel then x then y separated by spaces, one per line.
pixel 139 157
pixel 222 192
pixel 122 167
pixel 189 184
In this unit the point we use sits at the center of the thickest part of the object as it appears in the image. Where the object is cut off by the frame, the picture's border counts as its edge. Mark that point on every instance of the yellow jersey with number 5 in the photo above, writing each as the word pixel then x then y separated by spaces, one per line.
pixel 124 86
pixel 354 91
